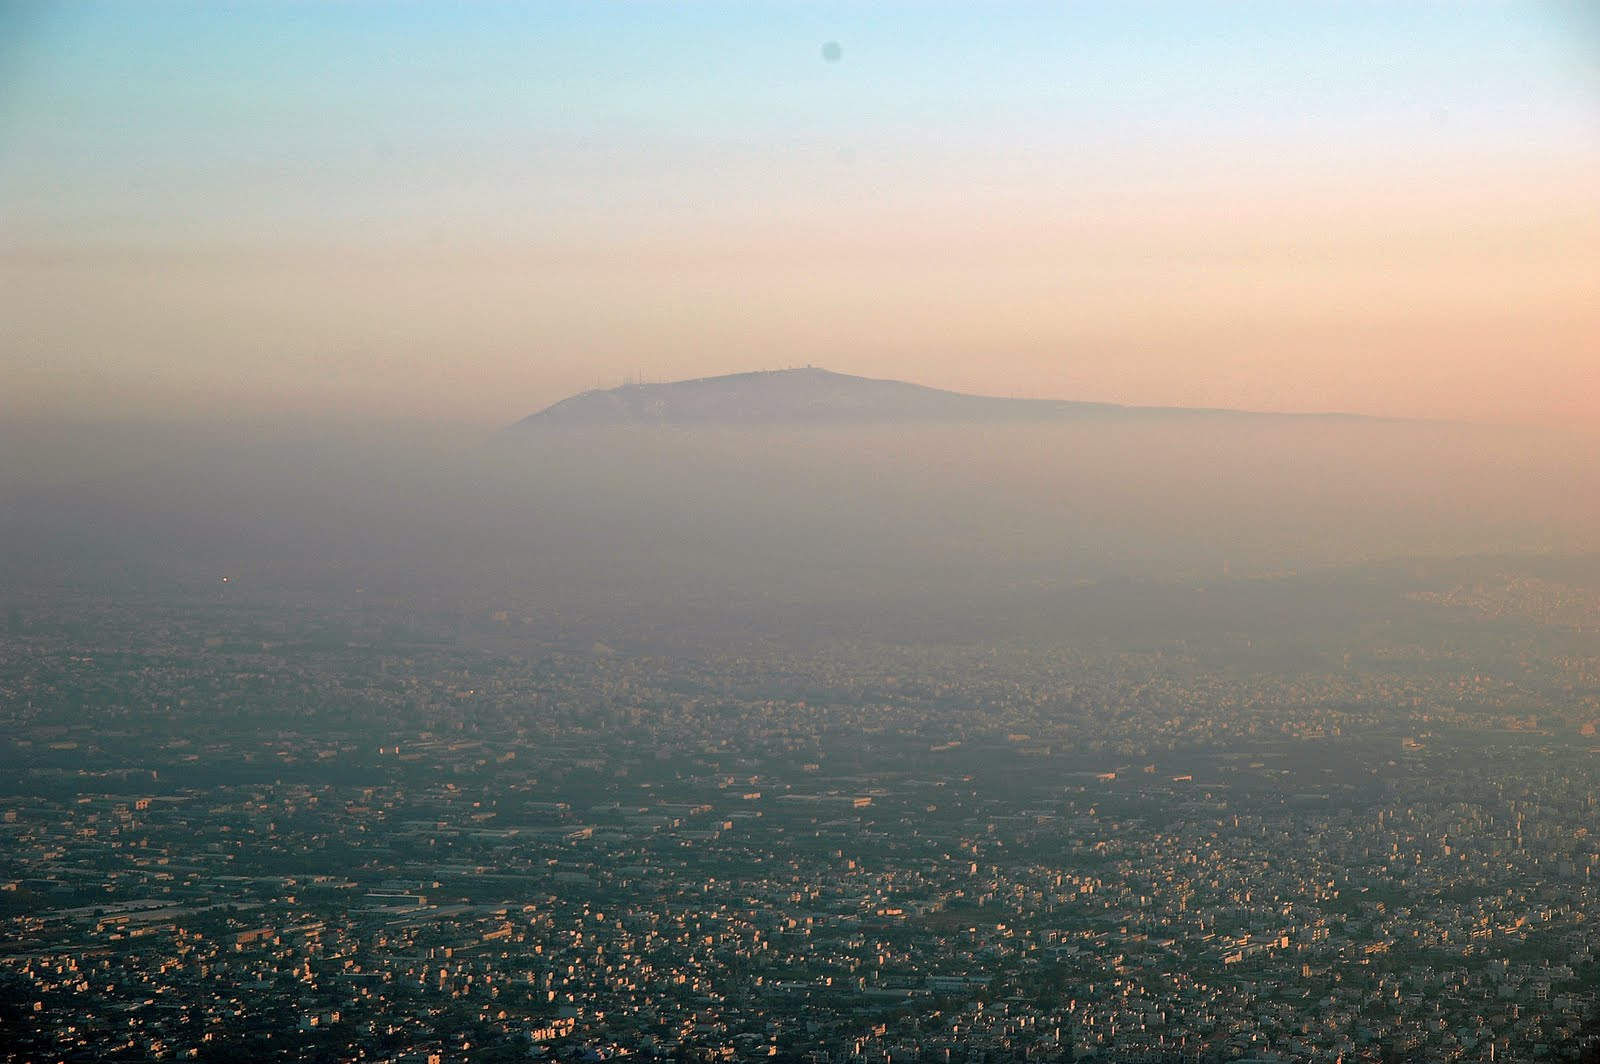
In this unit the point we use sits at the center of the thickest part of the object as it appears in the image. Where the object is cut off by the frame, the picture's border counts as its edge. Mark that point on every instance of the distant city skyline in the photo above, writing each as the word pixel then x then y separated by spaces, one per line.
pixel 463 214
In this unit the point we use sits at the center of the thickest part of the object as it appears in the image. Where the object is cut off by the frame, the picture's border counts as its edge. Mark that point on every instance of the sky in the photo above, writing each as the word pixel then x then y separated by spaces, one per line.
pixel 460 213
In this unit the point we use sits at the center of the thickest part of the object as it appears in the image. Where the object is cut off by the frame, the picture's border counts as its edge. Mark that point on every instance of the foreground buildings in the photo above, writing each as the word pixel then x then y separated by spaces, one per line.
pixel 280 832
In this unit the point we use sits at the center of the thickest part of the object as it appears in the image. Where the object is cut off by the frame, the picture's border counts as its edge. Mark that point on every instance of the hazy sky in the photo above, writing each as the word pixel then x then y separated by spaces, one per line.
pixel 462 213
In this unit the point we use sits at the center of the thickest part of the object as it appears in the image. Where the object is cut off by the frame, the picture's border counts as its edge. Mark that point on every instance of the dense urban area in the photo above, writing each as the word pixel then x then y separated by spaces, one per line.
pixel 243 828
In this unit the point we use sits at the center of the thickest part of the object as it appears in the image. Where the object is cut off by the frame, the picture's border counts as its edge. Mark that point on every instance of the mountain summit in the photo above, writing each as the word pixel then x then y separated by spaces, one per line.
pixel 817 396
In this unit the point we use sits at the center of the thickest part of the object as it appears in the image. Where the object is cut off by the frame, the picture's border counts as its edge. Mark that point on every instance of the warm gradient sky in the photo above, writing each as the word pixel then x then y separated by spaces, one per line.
pixel 461 213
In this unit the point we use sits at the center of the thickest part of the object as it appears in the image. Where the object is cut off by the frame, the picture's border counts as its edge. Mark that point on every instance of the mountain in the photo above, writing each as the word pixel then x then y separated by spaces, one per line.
pixel 817 396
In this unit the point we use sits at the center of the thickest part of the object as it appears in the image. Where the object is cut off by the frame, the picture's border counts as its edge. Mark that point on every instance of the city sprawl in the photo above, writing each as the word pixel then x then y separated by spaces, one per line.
pixel 242 829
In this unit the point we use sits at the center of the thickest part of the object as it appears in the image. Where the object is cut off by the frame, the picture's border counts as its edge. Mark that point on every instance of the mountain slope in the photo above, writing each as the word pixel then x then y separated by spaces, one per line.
pixel 818 396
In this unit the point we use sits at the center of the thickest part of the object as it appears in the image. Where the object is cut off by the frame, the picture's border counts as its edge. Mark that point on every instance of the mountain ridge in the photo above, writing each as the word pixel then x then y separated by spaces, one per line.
pixel 812 395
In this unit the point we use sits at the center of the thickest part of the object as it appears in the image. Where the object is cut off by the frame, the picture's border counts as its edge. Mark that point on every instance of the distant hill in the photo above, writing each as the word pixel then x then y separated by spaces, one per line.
pixel 819 396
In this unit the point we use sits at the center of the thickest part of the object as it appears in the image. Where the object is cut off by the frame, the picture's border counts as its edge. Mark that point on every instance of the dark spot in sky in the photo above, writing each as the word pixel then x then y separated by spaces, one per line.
pixel 832 52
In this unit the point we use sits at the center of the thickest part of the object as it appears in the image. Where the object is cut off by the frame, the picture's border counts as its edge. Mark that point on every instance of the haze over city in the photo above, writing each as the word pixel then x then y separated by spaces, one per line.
pixel 779 533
